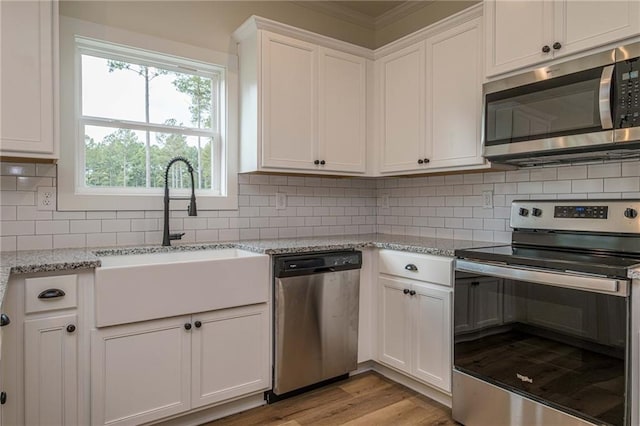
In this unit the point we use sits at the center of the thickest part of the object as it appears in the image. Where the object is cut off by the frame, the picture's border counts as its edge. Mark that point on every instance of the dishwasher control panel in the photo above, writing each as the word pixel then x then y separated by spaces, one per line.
pixel 316 263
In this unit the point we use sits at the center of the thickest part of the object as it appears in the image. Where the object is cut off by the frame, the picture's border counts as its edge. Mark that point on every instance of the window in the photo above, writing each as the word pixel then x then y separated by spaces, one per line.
pixel 135 109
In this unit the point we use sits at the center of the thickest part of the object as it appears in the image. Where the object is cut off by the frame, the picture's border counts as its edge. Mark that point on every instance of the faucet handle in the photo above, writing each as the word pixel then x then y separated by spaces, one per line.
pixel 177 236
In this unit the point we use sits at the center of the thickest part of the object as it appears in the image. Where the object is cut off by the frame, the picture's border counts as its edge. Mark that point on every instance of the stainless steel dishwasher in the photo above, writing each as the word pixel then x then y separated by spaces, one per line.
pixel 316 304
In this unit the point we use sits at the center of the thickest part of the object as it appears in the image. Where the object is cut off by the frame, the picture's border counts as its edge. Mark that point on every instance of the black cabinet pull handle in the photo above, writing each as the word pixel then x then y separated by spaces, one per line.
pixel 405 291
pixel 187 326
pixel 4 320
pixel 3 398
pixel 322 162
pixel 51 293
pixel 557 45
pixel 546 49
pixel 71 328
pixel 412 292
pixel 198 324
pixel 411 267
pixel 420 161
pixel 316 162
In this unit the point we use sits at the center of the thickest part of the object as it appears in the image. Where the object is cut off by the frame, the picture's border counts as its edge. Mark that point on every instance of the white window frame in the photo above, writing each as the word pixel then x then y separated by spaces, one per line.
pixel 72 193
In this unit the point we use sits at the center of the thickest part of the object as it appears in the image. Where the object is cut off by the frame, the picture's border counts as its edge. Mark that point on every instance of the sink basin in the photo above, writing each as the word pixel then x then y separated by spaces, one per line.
pixel 173 257
pixel 140 287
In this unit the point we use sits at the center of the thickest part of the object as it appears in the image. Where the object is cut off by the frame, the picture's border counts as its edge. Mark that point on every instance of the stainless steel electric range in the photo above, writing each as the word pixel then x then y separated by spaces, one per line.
pixel 544 330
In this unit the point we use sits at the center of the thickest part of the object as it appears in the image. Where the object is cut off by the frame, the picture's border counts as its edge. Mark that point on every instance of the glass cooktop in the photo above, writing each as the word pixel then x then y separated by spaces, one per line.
pixel 605 264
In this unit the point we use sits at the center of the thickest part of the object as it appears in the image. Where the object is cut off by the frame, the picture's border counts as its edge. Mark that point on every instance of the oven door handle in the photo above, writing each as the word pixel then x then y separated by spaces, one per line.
pixel 604 96
pixel 557 279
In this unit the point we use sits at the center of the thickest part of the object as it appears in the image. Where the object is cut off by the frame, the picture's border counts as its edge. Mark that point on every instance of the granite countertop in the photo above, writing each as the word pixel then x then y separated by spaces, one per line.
pixel 24 262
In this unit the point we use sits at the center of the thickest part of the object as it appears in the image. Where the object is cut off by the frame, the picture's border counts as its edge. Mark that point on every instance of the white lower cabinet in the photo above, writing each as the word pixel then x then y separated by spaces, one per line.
pixel 51 370
pixel 415 329
pixel 150 370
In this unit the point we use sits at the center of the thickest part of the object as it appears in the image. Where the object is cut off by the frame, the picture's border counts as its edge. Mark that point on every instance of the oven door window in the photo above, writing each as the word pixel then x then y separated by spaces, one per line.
pixel 566 348
pixel 566 105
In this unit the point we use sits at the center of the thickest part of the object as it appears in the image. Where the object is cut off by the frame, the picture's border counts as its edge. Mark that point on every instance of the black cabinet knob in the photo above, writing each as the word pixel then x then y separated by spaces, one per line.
pixel 4 320
pixel 316 162
pixel 426 161
pixel 557 46
pixel 405 291
pixel 187 326
pixel 322 162
pixel 198 324
pixel 421 161
pixel 412 292
pixel 3 398
pixel 546 49
pixel 71 328
pixel 630 213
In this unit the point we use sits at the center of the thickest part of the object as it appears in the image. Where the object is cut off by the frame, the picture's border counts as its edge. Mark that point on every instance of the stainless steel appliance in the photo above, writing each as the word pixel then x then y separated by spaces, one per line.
pixel 588 108
pixel 316 304
pixel 543 330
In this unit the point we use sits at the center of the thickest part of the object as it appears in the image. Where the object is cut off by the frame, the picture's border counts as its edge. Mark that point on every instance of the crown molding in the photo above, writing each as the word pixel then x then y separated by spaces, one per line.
pixel 343 13
pixel 402 10
pixel 336 10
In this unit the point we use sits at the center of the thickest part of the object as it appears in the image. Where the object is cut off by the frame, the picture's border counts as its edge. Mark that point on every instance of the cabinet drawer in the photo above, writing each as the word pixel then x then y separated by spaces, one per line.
pixel 423 267
pixel 50 293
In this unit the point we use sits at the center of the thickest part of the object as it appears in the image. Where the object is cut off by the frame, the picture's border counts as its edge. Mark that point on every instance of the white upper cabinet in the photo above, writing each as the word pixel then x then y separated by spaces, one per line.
pixel 289 98
pixel 430 98
pixel 302 101
pixel 29 57
pixel 454 96
pixel 401 79
pixel 342 117
pixel 524 33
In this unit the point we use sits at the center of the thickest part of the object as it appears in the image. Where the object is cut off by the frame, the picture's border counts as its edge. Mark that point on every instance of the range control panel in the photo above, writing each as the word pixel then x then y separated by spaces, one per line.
pixel 581 212
pixel 621 216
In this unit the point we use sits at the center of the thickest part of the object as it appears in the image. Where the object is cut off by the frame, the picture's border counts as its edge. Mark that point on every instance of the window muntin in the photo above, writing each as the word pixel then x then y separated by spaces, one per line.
pixel 138 112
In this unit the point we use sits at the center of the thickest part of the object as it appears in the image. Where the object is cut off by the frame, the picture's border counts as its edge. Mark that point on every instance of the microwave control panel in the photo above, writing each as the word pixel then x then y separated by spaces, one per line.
pixel 628 94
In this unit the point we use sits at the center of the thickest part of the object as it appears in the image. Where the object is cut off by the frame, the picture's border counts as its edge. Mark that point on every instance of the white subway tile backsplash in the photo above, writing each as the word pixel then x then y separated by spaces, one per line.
pixel 8 243
pixel 8 212
pixel 627 184
pixel 572 172
pixel 604 170
pixel 35 242
pixel 70 241
pixel 530 188
pixel 49 170
pixel 26 183
pixel 17 198
pixel 17 169
pixel 556 186
pixel 85 226
pixel 117 225
pixel 631 168
pixel 102 239
pixel 52 227
pixel 9 183
pixel 587 185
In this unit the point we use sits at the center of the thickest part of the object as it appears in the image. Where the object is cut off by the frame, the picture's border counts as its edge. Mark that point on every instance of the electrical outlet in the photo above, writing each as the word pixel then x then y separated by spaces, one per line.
pixel 46 198
pixel 281 201
pixel 487 199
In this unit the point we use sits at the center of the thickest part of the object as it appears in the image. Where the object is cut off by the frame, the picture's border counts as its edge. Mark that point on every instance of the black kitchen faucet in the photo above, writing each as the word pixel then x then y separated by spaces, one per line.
pixel 191 209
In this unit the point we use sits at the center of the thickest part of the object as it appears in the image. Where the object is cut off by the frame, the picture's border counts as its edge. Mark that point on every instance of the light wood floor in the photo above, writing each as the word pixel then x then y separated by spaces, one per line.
pixel 366 399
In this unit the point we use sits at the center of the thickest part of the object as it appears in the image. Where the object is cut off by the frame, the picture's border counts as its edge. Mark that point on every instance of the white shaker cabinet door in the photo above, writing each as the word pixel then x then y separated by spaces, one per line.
pixel 401 111
pixel 581 25
pixel 516 33
pixel 140 372
pixel 28 44
pixel 230 354
pixel 454 96
pixel 394 334
pixel 289 102
pixel 342 111
pixel 51 370
pixel 432 335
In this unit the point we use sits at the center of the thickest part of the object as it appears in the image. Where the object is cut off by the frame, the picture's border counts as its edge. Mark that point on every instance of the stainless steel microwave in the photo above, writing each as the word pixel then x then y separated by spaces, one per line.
pixel 584 109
